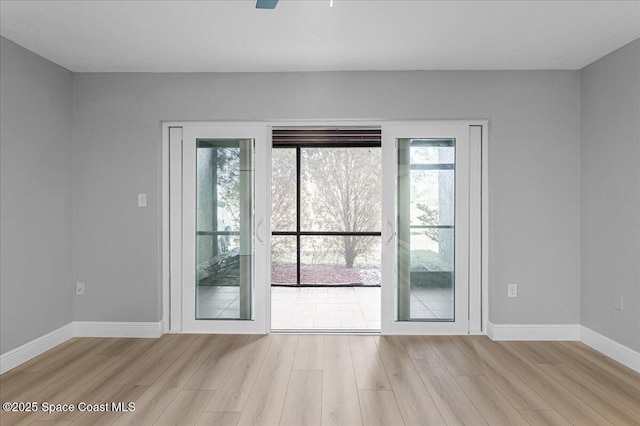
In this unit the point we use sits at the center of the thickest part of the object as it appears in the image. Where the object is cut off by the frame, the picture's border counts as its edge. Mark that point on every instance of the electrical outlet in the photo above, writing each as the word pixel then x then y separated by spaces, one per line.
pixel 512 290
pixel 79 289
pixel 618 302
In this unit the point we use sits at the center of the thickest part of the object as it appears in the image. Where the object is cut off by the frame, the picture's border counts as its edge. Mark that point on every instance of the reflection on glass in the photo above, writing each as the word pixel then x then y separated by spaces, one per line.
pixel 340 189
pixel 340 260
pixel 224 188
pixel 283 189
pixel 426 215
pixel 430 202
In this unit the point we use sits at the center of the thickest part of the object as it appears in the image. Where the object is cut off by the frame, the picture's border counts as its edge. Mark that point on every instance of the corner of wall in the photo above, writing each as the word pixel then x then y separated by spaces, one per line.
pixel 609 154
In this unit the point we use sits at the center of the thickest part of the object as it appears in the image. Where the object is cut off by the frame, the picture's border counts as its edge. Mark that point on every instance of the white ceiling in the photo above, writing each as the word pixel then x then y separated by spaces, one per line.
pixel 203 36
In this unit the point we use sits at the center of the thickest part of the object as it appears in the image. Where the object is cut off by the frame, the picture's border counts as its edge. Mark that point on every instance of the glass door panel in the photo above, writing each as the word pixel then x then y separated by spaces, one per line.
pixel 425 222
pixel 426 230
pixel 224 223
pixel 224 248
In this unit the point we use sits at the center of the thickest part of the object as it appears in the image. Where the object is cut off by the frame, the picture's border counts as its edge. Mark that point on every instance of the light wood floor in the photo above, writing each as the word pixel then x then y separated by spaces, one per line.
pixel 329 380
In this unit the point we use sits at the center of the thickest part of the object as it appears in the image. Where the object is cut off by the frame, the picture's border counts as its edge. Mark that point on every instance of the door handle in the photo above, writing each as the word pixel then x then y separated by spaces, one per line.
pixel 389 236
pixel 259 231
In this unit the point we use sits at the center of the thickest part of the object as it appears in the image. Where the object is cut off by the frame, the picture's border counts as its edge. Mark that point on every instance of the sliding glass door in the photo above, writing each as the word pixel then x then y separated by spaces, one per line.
pixel 426 213
pixel 223 245
pixel 229 242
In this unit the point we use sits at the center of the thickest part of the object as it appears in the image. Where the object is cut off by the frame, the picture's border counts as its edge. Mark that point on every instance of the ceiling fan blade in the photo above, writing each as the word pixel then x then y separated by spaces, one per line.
pixel 266 4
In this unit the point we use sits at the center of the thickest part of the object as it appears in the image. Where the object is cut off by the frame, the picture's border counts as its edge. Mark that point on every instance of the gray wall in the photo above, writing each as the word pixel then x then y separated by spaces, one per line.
pixel 534 170
pixel 564 150
pixel 35 196
pixel 610 194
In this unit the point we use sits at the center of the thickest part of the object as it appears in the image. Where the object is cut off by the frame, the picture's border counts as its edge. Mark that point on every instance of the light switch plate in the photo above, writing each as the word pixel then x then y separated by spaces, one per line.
pixel 79 289
pixel 142 200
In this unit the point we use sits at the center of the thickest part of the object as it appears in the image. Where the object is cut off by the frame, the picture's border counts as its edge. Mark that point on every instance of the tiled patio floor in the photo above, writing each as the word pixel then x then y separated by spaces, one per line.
pixel 325 308
pixel 221 302
pixel 322 308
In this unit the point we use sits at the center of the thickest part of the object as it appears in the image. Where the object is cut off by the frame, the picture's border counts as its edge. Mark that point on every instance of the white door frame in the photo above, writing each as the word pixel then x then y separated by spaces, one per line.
pixel 478 293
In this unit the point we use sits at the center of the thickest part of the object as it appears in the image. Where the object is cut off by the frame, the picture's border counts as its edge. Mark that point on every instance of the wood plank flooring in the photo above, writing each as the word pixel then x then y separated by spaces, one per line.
pixel 302 380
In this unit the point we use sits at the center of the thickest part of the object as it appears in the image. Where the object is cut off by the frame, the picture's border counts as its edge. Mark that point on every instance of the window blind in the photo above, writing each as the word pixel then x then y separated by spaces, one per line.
pixel 364 137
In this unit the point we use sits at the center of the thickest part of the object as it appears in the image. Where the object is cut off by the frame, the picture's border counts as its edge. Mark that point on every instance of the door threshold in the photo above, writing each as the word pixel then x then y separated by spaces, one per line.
pixel 327 331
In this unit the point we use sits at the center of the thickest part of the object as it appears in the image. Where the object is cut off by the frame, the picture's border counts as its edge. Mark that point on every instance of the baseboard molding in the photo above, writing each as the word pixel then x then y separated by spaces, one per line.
pixel 29 350
pixel 614 350
pixel 533 331
pixel 117 329
pixel 32 349
pixel 621 353
pixel 37 346
pixel 164 326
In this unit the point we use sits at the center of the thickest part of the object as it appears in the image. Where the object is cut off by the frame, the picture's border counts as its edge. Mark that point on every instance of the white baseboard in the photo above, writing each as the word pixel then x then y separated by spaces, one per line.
pixel 37 346
pixel 533 331
pixel 164 326
pixel 42 344
pixel 117 329
pixel 623 354
pixel 29 350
